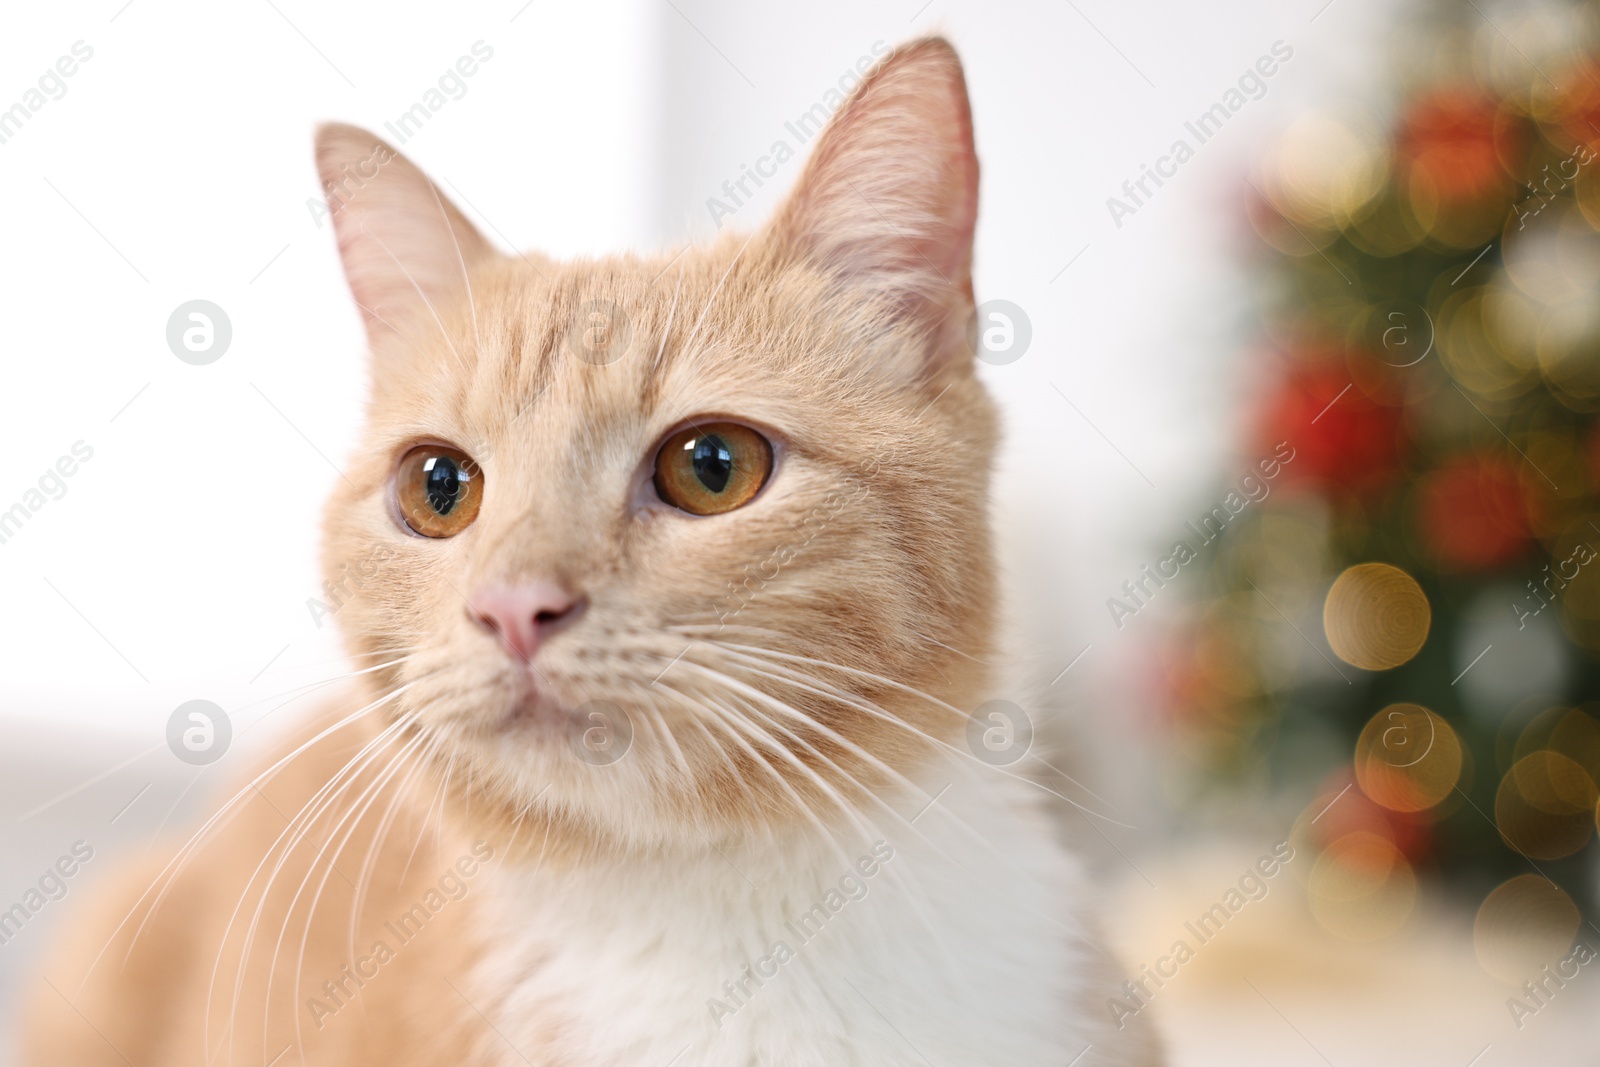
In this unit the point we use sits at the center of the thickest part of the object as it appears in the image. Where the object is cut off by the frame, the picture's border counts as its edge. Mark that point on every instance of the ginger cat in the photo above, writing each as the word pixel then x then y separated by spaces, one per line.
pixel 677 598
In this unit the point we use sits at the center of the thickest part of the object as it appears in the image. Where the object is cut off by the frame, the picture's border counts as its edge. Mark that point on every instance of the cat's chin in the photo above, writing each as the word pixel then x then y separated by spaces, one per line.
pixel 536 709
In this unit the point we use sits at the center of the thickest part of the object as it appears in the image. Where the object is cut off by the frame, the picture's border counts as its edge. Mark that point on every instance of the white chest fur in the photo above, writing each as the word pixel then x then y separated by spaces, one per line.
pixel 955 940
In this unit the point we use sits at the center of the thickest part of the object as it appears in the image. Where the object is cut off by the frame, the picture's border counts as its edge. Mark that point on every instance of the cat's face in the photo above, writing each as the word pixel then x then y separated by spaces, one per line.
pixel 687 544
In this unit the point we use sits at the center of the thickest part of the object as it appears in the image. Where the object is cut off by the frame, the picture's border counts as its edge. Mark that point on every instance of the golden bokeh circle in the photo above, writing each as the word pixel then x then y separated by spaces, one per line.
pixel 1522 925
pixel 1545 806
pixel 1376 616
pixel 1554 783
pixel 1575 734
pixel 1407 758
pixel 1362 888
pixel 1328 168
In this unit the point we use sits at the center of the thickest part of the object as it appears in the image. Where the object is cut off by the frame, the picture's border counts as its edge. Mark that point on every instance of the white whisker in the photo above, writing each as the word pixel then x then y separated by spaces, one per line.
pixel 294 831
pixel 856 701
pixel 179 862
pixel 396 763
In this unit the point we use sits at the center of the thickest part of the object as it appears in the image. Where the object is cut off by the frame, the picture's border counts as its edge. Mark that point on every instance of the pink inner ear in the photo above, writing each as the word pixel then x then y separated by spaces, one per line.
pixel 404 246
pixel 891 194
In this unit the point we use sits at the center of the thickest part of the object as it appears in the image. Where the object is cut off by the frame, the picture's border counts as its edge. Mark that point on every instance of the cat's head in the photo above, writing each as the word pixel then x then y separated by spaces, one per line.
pixel 683 544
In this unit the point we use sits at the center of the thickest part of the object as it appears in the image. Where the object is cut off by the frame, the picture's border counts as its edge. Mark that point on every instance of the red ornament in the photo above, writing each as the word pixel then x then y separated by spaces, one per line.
pixel 1184 685
pixel 1341 434
pixel 1578 109
pixel 1473 514
pixel 1456 140
pixel 1354 812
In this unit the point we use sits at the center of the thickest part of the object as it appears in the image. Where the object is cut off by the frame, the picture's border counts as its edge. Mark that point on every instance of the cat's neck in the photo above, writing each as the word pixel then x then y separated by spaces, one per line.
pixel 728 949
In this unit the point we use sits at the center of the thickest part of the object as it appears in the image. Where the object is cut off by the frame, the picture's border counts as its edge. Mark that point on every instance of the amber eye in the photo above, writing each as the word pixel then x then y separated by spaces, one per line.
pixel 438 490
pixel 712 468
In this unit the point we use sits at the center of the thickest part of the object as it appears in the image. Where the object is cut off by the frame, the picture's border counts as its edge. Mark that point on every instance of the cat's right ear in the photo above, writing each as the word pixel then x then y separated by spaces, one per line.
pixel 405 247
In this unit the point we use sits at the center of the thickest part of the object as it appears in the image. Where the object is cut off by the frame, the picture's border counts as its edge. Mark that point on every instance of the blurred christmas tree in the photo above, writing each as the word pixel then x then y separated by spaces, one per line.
pixel 1418 593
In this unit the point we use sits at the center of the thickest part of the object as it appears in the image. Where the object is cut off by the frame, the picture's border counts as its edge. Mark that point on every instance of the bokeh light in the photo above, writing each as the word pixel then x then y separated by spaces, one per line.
pixel 1572 732
pixel 1326 169
pixel 1545 806
pixel 1362 887
pixel 1408 758
pixel 1524 924
pixel 1376 616
pixel 1429 335
pixel 1454 140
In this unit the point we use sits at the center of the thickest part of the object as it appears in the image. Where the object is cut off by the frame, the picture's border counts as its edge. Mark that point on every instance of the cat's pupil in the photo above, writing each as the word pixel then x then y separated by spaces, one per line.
pixel 713 463
pixel 443 485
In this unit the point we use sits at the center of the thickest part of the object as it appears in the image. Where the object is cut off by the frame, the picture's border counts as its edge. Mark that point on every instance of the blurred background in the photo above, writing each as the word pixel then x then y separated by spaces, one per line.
pixel 1298 505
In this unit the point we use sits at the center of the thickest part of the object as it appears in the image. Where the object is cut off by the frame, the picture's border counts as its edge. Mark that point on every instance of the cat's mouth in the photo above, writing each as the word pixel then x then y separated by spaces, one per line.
pixel 534 705
pixel 598 732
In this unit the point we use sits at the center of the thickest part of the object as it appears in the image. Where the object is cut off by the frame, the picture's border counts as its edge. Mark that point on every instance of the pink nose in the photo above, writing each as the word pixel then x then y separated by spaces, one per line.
pixel 525 616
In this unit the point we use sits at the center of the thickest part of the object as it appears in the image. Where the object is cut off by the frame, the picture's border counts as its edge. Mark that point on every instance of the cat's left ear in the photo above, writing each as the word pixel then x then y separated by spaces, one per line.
pixel 405 247
pixel 889 198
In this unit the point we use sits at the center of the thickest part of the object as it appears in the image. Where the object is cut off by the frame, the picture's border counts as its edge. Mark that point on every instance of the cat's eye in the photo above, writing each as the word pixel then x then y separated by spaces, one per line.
pixel 712 468
pixel 438 490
